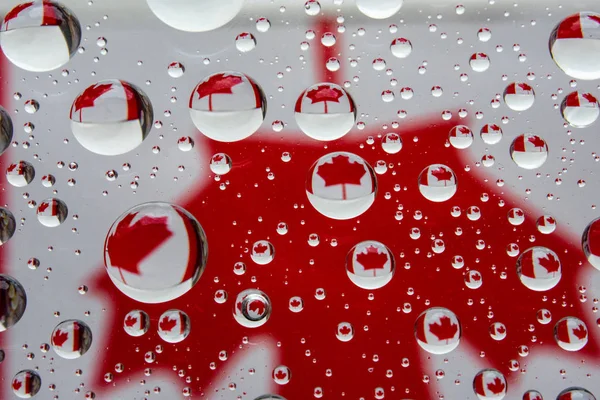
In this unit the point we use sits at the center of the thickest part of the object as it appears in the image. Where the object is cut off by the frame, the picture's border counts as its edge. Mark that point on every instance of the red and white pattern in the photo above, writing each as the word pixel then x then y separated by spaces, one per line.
pixel 529 151
pixel 490 384
pixel 155 252
pixel 32 14
pixel 438 330
pixel 136 323
pixel 461 137
pixel 20 174
pixel 437 183
pixel 590 242
pixel 580 109
pixel 575 394
pixel 26 384
pixel 571 334
pixel 519 96
pixel 491 134
pixel 539 268
pixel 370 265
pixel 173 326
pixel 52 212
pixel 546 224
pixel 584 25
pixel 71 339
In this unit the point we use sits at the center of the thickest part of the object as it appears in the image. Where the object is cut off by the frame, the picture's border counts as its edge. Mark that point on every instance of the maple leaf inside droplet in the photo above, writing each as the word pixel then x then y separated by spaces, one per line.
pixel 442 174
pixel 280 375
pixel 497 386
pixel 130 321
pixel 537 141
pixel 167 324
pixel 341 171
pixel 43 207
pixel 217 158
pixel 324 93
pixel 476 277
pixel 295 303
pixel 260 248
pixel 14 13
pixel 17 384
pixel 217 84
pixel 59 338
pixel 257 306
pixel 372 259
pixel 130 244
pixel 12 167
pixel 580 332
pixel 524 86
pixel 345 330
pixel 549 262
pixel 444 329
pixel 90 95
pixel 501 329
pixel 589 97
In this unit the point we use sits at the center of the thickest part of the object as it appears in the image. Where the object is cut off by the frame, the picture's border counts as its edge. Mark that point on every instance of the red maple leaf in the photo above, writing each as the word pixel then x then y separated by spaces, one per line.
pixel 501 329
pixel 547 314
pixel 17 384
pixel 257 306
pixel 341 171
pixel 345 330
pixel 379 393
pixel 589 97
pixel 516 213
pixel 14 13
pixel 580 332
pixel 43 207
pixel 464 130
pixel 59 338
pixel 130 244
pixel 217 84
pixel 444 329
pixel 260 248
pixel 324 93
pixel 475 277
pixel 217 158
pixel 218 295
pixel 549 262
pixel 537 141
pixel 130 321
pixel 442 174
pixel 372 259
pixel 280 375
pixel 167 324
pixel 393 137
pixel 550 220
pixel 90 95
pixel 12 167
pixel 524 86
pixel 295 303
pixel 497 386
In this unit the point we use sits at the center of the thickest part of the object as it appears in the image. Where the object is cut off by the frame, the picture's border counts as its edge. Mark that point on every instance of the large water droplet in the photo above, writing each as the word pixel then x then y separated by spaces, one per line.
pixel 227 106
pixel 111 117
pixel 136 323
pixel 438 330
pixel 20 174
pixel 461 137
pixel 571 334
pixel 519 96
pixel 401 47
pixel 195 16
pixel 40 36
pixel 529 151
pixel 155 252
pixel 539 268
pixel 71 339
pixel 575 393
pixel 437 183
pixel 174 326
pixel 52 212
pixel 489 384
pixel 26 384
pixel 379 9
pixel 580 109
pixel 16 302
pixel 370 265
pixel 6 130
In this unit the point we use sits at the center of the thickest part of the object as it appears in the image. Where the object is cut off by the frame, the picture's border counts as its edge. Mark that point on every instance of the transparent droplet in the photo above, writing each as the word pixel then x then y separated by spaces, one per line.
pixel 220 164
pixel 174 326
pixel 312 7
pixel 252 308
pixel 52 212
pixel 26 384
pixel 580 110
pixel 136 323
pixel 20 174
pixel 461 137
pixel 437 183
pixel 245 42
pixel 571 334
pixel 344 332
pixel 437 330
pixel 370 265
pixel 539 268
pixel 519 96
pixel 176 69
pixel 379 9
pixel 263 25
pixel 401 47
pixel 529 151
pixel 14 293
pixel 263 252
pixel 489 384
pixel 479 62
pixel 71 339
pixel 193 16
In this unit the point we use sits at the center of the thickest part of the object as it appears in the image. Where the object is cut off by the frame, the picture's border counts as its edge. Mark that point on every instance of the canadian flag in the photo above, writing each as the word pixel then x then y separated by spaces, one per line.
pixel 20 174
pixel 136 323
pixel 438 330
pixel 584 25
pixel 532 395
pixel 489 384
pixel 575 393
pixel 571 333
pixel 71 339
pixel 155 252
pixel 26 384
pixel 580 109
pixel 461 137
pixel 438 175
pixel 52 212
pixel 39 35
pixel 529 143
pixel 370 265
pixel 173 326
pixel 491 133
pixel 539 268
pixel 519 88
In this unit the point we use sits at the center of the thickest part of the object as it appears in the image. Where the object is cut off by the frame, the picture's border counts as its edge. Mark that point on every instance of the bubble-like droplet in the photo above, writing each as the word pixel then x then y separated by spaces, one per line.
pixel 26 384
pixel 52 212
pixel 252 308
pixel 571 334
pixel 332 64
pixel 341 185
pixel 270 397
pixel 16 302
pixel 344 332
pixel 498 331
pixel 194 16
pixel 7 225
pixel 111 117
pixel 437 183
pixel 580 109
pixel 155 252
pixel 438 330
pixel 491 134
pixel 379 9
pixel 391 143
pixel 529 151
pixel 263 25
pixel 282 375
pixel 6 130
pixel 484 34
pixel 575 393
pixel 136 323
pixel 370 265
pixel 245 42
pixel 401 47
pixel 328 39
pixel 312 7
pixel 479 62
pixel 20 174
pixel 516 216
pixel 176 69
pixel 227 106
pixel 185 143
pixel 575 45
pixel 40 36
pixel 31 106
pixel 489 384
pixel 263 252
pixel 220 164
pixel 546 224
pixel 461 137
pixel 71 339
pixel 296 304
pixel 173 326
pixel 473 279
pixel 539 268
pixel 519 96
pixel 325 111
pixel 532 395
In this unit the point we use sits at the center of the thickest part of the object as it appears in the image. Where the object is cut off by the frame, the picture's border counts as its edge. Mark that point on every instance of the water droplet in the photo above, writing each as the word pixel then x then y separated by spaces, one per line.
pixel 539 268
pixel 13 291
pixel 220 164
pixel 40 36
pixel 185 143
pixel 489 384
pixel 519 96
pixel 152 274
pixel 252 308
pixel 529 151
pixel 575 393
pixel 312 7
pixel 282 375
pixel 26 384
pixel 174 326
pixel 263 25
pixel 227 106
pixel 370 265
pixel 437 183
pixel 192 16
pixel 401 47
pixel 52 212
pixel 484 34
pixel 71 339
pixel 325 111
pixel 479 62
pixel 344 332
pixel 391 143
pixel 296 304
pixel 245 42
pixel 263 252
pixel 461 137
pixel 328 39
pixel 491 134
pixel 571 334
pixel 136 323
pixel 20 174
pixel 379 9
pixel 176 69
pixel 438 330
pixel 580 109
pixel 332 64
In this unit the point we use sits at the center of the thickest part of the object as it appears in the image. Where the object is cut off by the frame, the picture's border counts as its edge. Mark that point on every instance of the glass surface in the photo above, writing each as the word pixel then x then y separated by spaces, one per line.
pixel 229 199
